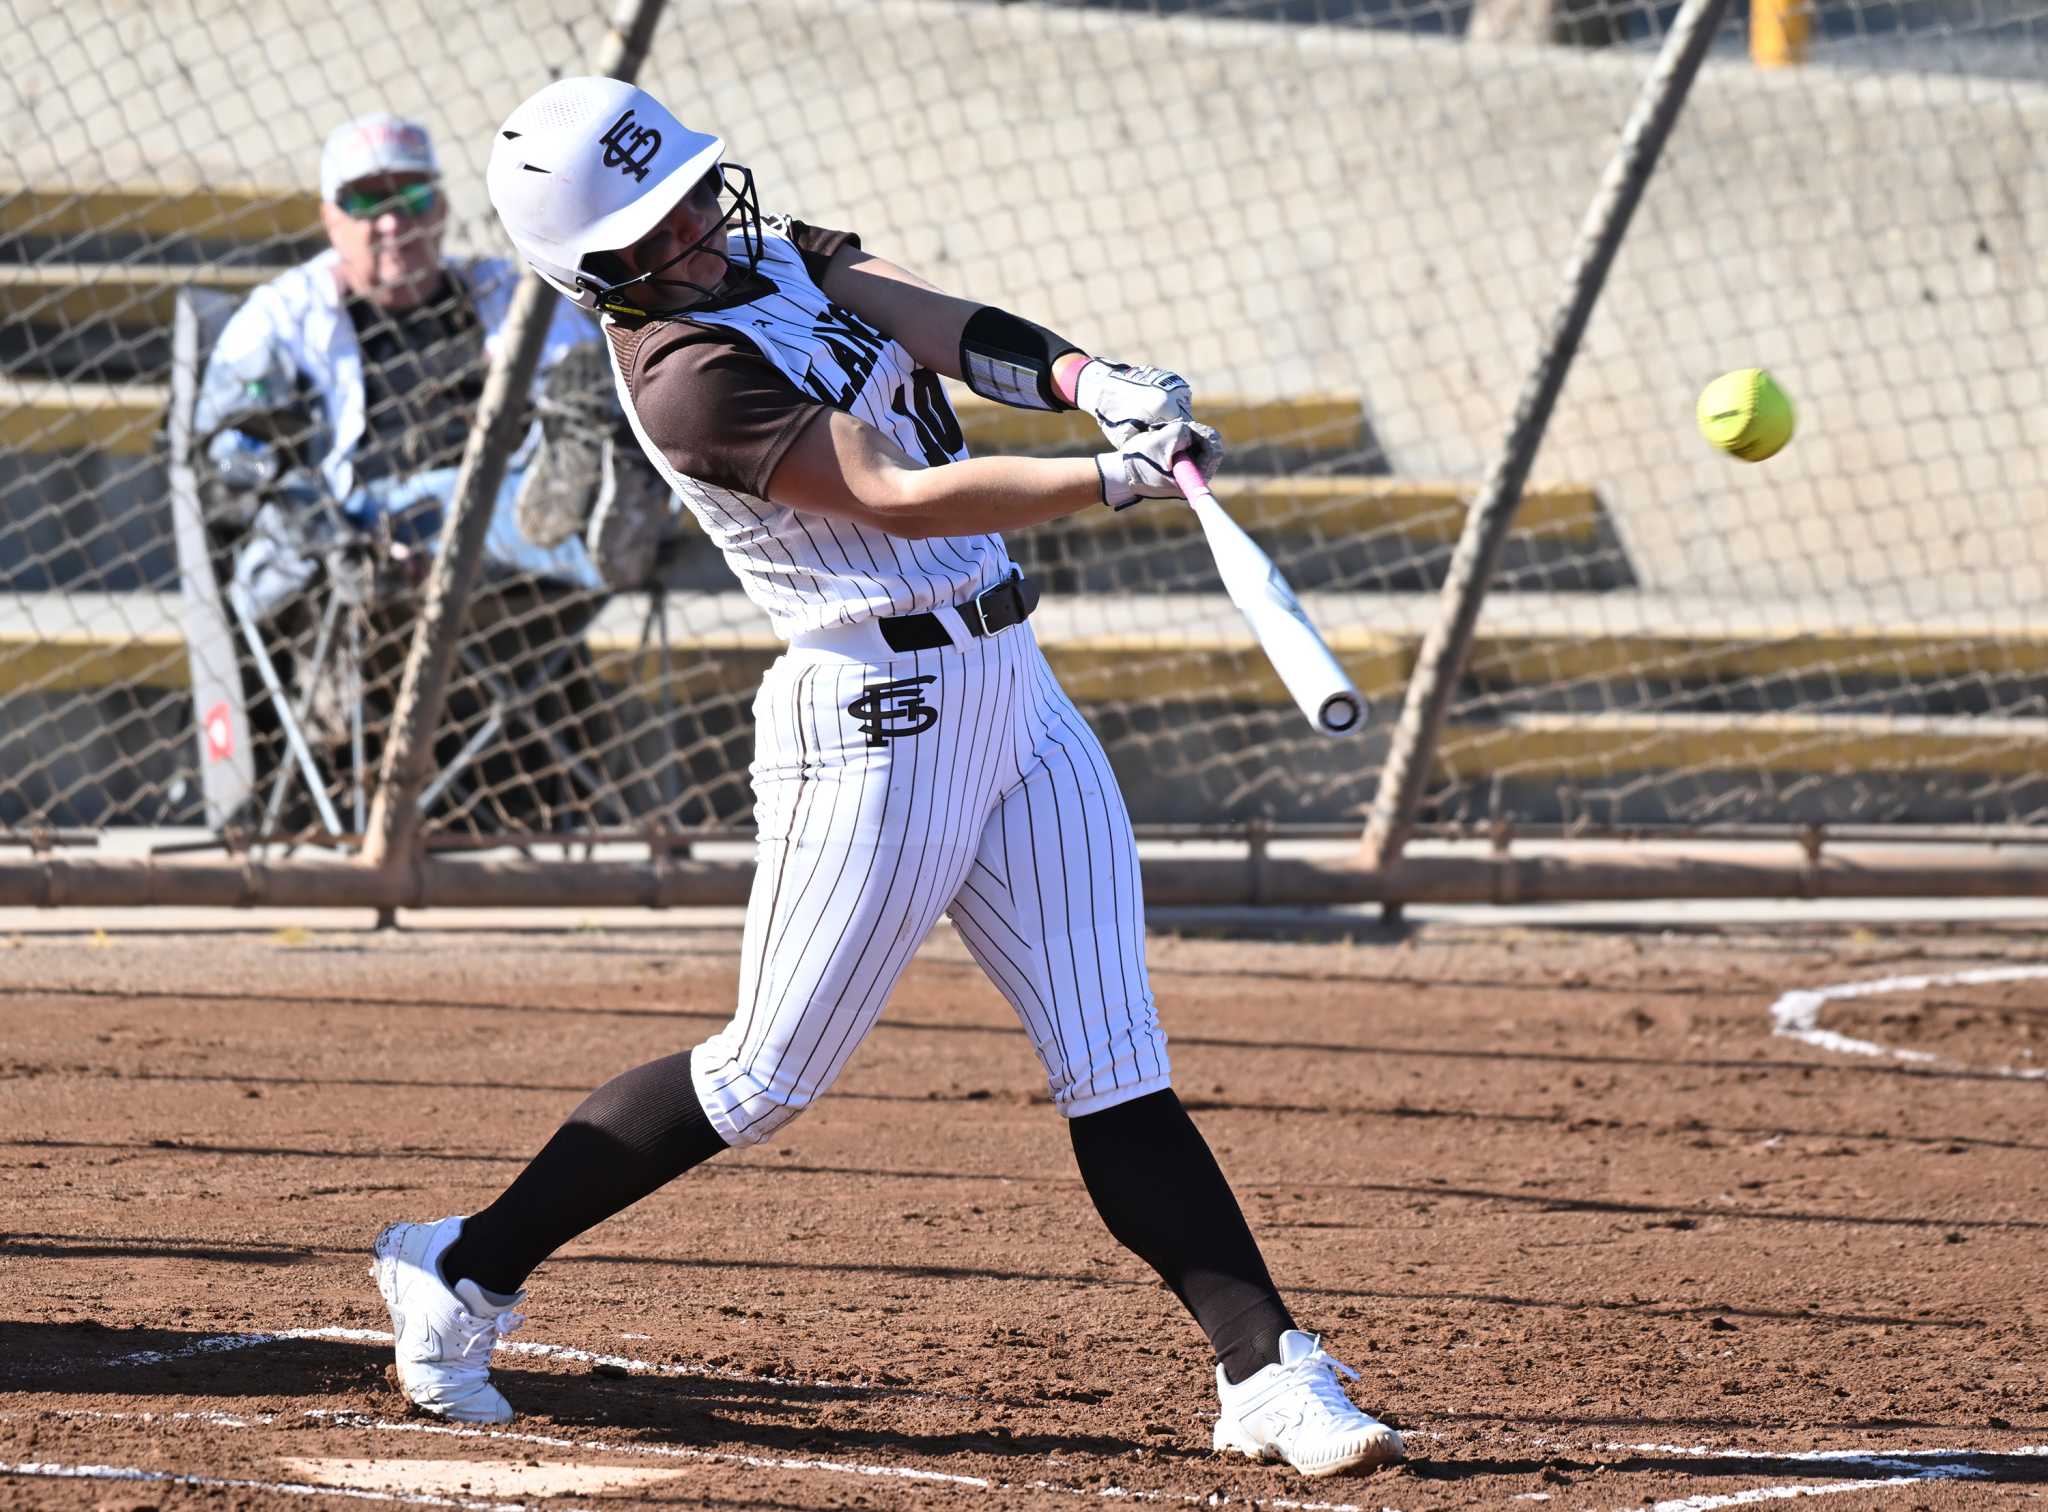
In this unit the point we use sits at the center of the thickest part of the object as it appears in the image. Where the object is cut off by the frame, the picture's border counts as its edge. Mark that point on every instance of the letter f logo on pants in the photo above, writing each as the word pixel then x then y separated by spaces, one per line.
pixel 891 710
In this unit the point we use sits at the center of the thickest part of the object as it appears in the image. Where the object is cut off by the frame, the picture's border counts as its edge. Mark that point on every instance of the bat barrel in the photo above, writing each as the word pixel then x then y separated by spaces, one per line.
pixel 1314 679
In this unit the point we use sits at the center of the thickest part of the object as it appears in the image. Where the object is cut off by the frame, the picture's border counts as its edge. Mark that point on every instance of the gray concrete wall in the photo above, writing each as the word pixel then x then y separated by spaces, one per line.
pixel 1280 208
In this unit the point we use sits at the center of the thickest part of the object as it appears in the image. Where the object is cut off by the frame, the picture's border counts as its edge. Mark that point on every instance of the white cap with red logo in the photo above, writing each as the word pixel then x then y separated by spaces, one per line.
pixel 590 165
pixel 371 146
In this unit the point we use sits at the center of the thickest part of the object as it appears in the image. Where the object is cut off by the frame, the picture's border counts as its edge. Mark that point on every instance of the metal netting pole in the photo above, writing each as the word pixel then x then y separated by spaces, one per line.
pixel 393 833
pixel 1441 661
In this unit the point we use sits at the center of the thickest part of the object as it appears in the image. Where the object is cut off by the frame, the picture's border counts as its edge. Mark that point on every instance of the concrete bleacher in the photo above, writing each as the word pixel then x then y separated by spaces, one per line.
pixel 98 440
pixel 1560 691
pixel 87 276
pixel 1535 653
pixel 1596 680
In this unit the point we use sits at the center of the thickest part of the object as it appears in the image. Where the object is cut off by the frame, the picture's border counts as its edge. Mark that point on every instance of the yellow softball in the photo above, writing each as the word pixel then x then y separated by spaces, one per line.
pixel 1746 414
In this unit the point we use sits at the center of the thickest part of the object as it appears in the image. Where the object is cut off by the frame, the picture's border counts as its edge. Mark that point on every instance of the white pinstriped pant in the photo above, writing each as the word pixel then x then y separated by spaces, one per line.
pixel 1002 811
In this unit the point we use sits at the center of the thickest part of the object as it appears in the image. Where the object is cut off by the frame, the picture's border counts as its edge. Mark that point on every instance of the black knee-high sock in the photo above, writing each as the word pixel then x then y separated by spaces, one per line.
pixel 1163 1196
pixel 637 1132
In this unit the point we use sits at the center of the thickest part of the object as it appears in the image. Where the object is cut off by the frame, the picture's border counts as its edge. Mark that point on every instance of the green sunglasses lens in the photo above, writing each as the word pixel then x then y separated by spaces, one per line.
pixel 410 201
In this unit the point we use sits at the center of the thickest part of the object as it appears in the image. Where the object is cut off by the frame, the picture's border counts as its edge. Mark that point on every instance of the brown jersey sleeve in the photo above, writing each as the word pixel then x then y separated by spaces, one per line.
pixel 816 246
pixel 719 411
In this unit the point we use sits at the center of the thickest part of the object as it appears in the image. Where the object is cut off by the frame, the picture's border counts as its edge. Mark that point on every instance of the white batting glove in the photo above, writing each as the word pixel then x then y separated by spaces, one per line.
pixel 1125 400
pixel 1142 468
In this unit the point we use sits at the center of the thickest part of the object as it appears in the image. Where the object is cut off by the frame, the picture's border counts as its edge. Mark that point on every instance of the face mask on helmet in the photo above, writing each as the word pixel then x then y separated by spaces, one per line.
pixel 608 277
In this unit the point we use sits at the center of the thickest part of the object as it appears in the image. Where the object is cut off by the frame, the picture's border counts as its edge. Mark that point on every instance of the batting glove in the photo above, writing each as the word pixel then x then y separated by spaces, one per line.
pixel 1125 400
pixel 1142 468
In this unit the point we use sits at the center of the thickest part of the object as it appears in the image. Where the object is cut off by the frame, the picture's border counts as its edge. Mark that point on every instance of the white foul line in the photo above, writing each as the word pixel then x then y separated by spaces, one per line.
pixel 1796 1015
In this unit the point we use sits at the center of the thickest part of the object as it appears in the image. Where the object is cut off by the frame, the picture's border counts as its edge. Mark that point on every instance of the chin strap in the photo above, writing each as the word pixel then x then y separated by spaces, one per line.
pixel 743 217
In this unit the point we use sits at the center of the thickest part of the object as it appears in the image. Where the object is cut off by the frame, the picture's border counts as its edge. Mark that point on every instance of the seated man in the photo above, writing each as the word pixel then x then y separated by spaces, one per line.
pixel 375 352
pixel 333 414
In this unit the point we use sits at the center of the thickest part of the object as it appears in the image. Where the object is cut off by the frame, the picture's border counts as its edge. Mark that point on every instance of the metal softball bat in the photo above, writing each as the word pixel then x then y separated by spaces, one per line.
pixel 1311 674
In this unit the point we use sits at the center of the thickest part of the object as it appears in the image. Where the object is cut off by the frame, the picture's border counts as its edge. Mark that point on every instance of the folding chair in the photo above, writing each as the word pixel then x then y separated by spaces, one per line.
pixel 356 576
pixel 227 759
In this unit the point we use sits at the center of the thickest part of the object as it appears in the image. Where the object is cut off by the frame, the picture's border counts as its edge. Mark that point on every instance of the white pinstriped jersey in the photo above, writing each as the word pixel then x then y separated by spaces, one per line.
pixel 890 787
pixel 806 571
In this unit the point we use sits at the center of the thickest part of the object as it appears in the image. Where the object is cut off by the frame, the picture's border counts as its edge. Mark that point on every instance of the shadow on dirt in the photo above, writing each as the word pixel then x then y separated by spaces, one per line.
pixel 83 1246
pixel 85 1358
pixel 348 1378
pixel 91 1247
pixel 344 1381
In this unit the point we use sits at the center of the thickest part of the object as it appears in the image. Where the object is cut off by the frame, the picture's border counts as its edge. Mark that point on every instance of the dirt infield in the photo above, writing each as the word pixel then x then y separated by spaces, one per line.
pixel 1595 1225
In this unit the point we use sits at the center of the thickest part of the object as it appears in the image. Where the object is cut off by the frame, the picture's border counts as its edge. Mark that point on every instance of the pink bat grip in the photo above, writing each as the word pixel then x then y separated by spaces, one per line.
pixel 1189 476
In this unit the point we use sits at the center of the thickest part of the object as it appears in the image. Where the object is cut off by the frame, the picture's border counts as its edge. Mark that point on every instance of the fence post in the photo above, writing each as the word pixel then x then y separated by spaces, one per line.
pixel 1441 660
pixel 392 839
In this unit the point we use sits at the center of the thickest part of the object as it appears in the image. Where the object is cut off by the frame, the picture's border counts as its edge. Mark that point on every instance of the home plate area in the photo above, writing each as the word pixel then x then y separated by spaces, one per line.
pixel 1604 1222
pixel 473 1479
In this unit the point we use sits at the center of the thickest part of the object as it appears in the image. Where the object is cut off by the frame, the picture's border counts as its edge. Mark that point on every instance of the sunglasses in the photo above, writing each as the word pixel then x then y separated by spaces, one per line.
pixel 410 201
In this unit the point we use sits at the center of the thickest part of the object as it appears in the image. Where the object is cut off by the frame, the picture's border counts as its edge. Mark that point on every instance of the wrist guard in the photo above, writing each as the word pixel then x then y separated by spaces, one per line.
pixel 1010 360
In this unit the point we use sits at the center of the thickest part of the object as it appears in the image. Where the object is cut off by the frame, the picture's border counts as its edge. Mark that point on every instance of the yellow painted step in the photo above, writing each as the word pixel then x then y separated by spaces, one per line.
pixel 55 296
pixel 125 296
pixel 54 416
pixel 1528 747
pixel 1348 507
pixel 1314 422
pixel 1093 669
pixel 1592 747
pixel 83 661
pixel 1514 660
pixel 229 213
pixel 135 640
pixel 117 419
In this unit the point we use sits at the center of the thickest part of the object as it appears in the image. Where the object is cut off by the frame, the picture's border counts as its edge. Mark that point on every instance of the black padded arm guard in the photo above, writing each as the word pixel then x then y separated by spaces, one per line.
pixel 1009 360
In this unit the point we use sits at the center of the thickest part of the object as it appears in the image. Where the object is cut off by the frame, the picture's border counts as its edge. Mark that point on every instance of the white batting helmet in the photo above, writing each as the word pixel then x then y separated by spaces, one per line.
pixel 590 165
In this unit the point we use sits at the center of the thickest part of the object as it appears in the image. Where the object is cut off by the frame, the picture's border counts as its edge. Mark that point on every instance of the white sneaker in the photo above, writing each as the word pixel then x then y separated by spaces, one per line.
pixel 445 1336
pixel 1297 1411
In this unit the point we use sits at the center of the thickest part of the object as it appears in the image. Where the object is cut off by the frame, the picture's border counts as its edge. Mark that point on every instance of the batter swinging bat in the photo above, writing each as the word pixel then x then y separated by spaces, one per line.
pixel 1318 684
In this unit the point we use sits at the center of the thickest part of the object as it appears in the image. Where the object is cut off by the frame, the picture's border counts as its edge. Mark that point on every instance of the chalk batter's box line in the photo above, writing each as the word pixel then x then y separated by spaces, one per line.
pixel 228 1343
pixel 1945 1466
pixel 135 1474
pixel 1796 1015
pixel 351 1420
pixel 1943 1469
pixel 1876 1459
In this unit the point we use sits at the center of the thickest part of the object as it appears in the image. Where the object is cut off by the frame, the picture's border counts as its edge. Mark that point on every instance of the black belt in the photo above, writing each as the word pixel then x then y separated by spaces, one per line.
pixel 1008 603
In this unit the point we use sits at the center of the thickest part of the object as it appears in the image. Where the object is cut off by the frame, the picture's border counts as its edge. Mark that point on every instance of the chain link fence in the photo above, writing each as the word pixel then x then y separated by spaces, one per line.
pixel 1343 221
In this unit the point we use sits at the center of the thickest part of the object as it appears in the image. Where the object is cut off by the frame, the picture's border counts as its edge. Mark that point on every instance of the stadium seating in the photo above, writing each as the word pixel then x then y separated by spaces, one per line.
pixel 1134 622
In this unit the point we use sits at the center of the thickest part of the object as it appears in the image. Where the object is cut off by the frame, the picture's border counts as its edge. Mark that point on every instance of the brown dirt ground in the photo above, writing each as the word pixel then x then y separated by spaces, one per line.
pixel 1590 1233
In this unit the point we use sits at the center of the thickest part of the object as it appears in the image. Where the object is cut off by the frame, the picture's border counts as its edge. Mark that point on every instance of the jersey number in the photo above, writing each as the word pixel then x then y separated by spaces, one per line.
pixel 938 428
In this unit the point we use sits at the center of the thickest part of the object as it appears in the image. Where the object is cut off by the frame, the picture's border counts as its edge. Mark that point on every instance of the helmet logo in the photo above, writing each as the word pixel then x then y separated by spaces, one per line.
pixel 630 148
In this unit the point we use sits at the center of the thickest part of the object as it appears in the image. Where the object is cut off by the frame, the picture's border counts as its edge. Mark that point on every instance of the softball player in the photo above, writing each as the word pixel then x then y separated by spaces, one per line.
pixel 914 754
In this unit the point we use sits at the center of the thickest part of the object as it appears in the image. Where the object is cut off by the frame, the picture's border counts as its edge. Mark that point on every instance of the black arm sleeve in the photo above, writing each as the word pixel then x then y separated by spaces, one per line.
pixel 1008 359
